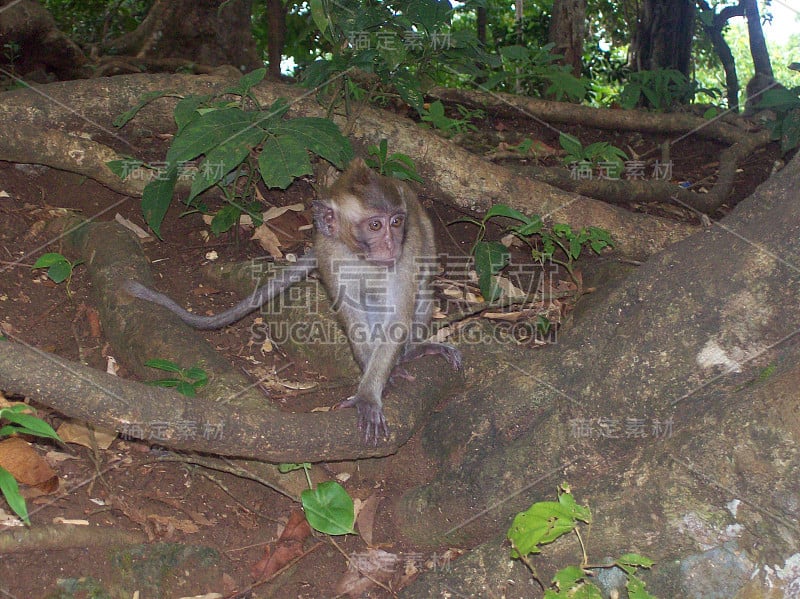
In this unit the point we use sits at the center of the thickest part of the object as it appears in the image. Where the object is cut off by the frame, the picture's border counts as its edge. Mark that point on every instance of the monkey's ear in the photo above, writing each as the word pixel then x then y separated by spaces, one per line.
pixel 324 217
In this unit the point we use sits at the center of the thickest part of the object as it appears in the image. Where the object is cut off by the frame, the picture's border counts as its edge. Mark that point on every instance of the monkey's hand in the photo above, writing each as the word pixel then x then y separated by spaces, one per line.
pixel 371 420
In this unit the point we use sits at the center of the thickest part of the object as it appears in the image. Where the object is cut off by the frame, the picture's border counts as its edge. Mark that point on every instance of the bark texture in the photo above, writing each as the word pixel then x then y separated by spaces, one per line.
pixel 656 407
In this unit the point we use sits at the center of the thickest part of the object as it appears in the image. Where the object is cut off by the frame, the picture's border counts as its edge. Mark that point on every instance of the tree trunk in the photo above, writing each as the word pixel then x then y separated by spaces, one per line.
pixel 200 31
pixel 714 32
pixel 663 36
pixel 567 32
pixel 758 46
pixel 276 33
pixel 480 24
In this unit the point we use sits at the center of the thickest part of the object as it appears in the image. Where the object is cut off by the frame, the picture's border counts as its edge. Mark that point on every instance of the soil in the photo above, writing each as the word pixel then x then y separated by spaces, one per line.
pixel 206 530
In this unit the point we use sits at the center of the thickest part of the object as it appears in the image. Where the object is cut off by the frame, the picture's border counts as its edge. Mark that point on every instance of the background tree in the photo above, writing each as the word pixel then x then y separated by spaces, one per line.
pixel 662 36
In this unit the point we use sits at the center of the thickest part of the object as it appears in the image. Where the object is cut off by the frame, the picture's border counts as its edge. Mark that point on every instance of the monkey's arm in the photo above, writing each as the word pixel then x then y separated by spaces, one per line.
pixel 368 397
pixel 283 279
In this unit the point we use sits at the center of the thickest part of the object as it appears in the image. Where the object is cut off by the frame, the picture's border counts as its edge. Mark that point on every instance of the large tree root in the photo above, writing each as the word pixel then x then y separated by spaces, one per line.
pixel 467 180
pixel 230 418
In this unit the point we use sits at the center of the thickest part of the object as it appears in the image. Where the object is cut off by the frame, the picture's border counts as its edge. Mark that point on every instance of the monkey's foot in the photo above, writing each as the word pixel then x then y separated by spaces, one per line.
pixel 371 420
pixel 448 352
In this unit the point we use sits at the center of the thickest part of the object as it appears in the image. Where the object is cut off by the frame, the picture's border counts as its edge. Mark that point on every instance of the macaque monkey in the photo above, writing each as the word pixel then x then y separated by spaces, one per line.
pixel 758 84
pixel 374 250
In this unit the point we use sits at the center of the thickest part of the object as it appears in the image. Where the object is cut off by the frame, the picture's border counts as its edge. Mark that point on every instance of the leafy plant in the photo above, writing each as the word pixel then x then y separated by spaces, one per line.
pixel 786 127
pixel 546 521
pixel 600 152
pixel 398 48
pixel 661 89
pixel 238 147
pixel 59 269
pixel 534 70
pixel 187 382
pixel 328 507
pixel 397 165
pixel 20 424
pixel 434 115
pixel 491 257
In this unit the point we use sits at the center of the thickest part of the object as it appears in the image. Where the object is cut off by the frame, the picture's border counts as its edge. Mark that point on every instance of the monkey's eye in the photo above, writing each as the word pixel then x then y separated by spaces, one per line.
pixel 398 220
pixel 375 225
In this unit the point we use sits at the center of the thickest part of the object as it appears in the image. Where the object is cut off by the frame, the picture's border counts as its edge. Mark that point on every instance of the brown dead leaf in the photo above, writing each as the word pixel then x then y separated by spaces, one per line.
pixel 366 570
pixel 93 316
pixel 267 239
pixel 77 432
pixel 27 466
pixel 288 547
pixel 365 518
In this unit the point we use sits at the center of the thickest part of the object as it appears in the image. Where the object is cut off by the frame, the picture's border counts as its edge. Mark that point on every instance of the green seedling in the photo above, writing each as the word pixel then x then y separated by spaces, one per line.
pixel 328 507
pixel 599 153
pixel 59 269
pixel 491 257
pixel 187 382
pixel 546 521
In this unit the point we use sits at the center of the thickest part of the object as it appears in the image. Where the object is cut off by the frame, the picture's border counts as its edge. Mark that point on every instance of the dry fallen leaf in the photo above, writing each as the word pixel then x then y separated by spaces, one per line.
pixel 365 518
pixel 27 466
pixel 288 547
pixel 77 432
pixel 365 569
pixel 267 239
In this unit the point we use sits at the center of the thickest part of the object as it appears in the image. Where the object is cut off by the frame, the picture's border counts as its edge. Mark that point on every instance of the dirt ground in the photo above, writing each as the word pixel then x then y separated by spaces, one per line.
pixel 200 530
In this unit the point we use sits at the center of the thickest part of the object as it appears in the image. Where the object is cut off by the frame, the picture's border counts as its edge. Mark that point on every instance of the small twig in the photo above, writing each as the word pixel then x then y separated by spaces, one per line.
pixel 229 467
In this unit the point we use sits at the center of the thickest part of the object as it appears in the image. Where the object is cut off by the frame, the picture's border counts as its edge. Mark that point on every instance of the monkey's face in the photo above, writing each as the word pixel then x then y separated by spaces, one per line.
pixel 381 236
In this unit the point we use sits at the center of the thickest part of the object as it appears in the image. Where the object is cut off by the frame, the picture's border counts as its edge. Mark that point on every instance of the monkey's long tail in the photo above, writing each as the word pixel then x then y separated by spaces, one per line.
pixel 284 278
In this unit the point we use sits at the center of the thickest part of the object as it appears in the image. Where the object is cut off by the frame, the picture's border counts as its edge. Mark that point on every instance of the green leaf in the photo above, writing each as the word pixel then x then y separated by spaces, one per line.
pixel 162 364
pixel 126 116
pixel 185 389
pixel 428 14
pixel 10 490
pixel 156 198
pixel 198 375
pixel 568 577
pixel 283 158
pixel 223 159
pixel 329 509
pixel 636 589
pixel 490 258
pixel 408 86
pixel 284 468
pixel 571 144
pixel 211 129
pixel 186 110
pixel 634 559
pixel 514 52
pixel 250 79
pixel 47 260
pixel 60 271
pixel 544 522
pixel 506 211
pixel 779 98
pixel 124 167
pixel 29 425
pixel 319 16
pixel 320 136
pixel 226 218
